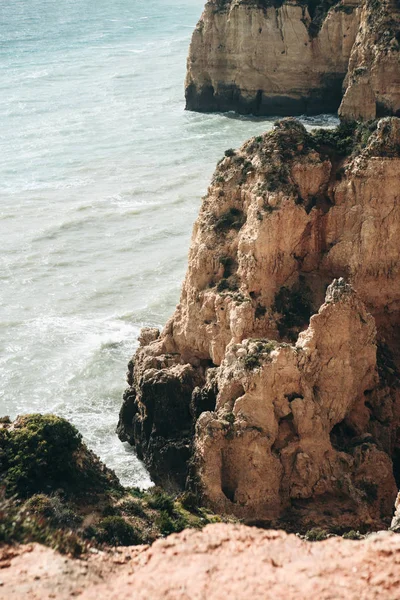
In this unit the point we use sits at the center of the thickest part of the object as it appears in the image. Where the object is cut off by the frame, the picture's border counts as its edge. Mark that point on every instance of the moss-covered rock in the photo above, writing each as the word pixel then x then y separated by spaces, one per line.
pixel 56 492
pixel 44 453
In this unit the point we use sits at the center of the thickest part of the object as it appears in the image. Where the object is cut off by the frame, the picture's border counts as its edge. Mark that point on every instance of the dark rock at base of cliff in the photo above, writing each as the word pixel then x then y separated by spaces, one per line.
pixel 226 98
pixel 159 424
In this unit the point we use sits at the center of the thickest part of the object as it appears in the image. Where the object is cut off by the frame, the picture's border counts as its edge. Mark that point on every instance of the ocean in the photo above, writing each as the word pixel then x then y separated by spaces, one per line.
pixel 102 172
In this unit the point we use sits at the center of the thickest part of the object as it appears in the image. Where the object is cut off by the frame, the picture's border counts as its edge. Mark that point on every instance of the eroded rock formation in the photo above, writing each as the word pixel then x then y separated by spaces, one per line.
pixel 281 57
pixel 276 387
pixel 372 84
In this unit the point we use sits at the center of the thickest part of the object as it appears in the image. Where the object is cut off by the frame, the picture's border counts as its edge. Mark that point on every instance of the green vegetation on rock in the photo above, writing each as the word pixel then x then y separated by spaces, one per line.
pixel 260 350
pixel 44 453
pixel 348 138
pixel 52 485
pixel 316 535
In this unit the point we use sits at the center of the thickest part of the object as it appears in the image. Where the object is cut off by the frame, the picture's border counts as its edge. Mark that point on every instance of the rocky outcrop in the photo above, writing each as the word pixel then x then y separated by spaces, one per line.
pixel 373 80
pixel 281 393
pixel 218 562
pixel 288 422
pixel 281 57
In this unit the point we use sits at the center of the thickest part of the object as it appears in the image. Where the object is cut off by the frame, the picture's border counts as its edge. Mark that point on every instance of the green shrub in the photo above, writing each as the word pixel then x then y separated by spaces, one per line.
pixel 52 508
pixel 189 501
pixel 349 137
pixel 68 543
pixel 160 500
pixel 45 453
pixel 316 535
pixel 260 347
pixel 352 535
pixel 251 361
pixel 37 454
pixel 110 510
pixel 168 524
pixel 277 177
pixel 40 505
pixel 133 508
pixel 115 531
pixel 20 523
pixel 136 492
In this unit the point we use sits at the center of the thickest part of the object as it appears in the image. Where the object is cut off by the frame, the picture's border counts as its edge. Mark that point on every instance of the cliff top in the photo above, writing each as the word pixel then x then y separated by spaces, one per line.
pixel 220 561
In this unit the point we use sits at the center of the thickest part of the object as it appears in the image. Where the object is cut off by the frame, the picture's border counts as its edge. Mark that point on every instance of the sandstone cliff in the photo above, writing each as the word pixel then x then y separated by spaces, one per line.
pixel 281 57
pixel 372 84
pixel 277 388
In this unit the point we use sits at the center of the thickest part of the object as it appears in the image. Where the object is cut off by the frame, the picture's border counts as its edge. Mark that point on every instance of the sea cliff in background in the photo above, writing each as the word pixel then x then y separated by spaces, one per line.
pixel 279 57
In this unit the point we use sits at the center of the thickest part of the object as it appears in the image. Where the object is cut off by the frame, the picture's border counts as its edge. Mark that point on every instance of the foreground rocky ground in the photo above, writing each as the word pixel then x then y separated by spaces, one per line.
pixel 221 561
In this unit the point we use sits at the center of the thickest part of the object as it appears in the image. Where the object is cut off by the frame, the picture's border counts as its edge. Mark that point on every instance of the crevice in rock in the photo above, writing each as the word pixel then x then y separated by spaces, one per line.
pixel 295 306
pixel 286 434
pixel 229 264
pixel 228 478
pixel 387 368
pixel 228 492
pixel 396 464
pixel 203 399
pixel 322 203
pixel 294 396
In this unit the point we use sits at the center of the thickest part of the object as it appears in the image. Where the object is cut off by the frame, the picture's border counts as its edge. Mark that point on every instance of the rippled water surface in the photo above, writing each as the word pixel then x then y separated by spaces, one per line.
pixel 101 176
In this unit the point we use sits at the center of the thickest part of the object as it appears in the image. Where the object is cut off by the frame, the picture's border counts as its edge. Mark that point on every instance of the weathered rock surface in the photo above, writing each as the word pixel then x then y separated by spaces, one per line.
pixel 219 562
pixel 373 80
pixel 274 57
pixel 283 424
pixel 280 427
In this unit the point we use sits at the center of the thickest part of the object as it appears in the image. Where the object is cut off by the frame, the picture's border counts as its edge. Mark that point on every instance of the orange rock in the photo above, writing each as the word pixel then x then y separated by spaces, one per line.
pixel 297 415
pixel 218 562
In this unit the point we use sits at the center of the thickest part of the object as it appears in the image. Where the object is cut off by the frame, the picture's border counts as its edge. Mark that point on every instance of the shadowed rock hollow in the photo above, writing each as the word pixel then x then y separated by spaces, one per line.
pixel 276 382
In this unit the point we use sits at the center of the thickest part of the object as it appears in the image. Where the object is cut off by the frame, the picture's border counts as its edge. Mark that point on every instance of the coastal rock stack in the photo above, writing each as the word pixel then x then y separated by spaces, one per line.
pixel 292 57
pixel 273 392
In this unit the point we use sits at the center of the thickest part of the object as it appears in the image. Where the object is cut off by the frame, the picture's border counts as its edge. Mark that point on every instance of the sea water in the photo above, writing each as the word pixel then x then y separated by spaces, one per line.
pixel 101 177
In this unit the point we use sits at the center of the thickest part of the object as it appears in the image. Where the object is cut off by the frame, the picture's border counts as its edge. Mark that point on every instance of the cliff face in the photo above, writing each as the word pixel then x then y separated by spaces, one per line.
pixel 296 417
pixel 269 57
pixel 373 80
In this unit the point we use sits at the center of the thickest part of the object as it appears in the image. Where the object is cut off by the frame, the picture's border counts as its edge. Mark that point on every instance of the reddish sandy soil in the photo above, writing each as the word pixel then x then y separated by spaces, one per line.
pixel 219 563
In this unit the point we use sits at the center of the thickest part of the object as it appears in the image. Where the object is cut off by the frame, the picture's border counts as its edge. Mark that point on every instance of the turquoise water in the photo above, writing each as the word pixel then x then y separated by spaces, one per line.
pixel 101 177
